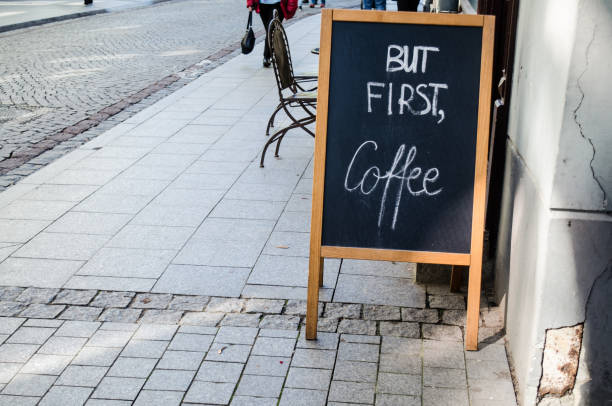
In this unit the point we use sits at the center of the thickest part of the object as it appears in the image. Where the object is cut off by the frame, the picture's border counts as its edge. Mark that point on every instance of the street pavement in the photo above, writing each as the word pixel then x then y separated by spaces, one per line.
pixel 158 264
pixel 58 80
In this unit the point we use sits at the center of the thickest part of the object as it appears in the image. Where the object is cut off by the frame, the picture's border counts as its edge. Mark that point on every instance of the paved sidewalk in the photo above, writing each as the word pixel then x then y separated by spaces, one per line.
pixel 159 264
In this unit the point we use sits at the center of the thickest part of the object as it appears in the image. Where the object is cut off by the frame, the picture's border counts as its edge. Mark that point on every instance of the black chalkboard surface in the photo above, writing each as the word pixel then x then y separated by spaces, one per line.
pixel 401 136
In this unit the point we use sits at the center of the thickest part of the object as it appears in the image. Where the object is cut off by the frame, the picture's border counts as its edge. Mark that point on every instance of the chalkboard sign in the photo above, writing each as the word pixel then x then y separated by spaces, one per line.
pixel 401 142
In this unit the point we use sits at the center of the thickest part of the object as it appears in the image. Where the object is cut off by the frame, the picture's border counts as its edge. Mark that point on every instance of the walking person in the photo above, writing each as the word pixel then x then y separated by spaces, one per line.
pixel 314 2
pixel 375 4
pixel 266 8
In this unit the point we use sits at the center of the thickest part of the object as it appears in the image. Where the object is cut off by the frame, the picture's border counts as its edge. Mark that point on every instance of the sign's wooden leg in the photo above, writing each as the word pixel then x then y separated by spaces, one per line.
pixel 473 305
pixel 455 282
pixel 321 266
pixel 315 271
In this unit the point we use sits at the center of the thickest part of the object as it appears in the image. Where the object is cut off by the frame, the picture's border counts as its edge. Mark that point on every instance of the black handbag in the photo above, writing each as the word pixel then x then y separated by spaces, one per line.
pixel 248 41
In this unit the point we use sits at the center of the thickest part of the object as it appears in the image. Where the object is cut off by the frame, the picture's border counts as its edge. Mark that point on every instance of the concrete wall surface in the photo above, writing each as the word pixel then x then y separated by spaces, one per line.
pixel 553 260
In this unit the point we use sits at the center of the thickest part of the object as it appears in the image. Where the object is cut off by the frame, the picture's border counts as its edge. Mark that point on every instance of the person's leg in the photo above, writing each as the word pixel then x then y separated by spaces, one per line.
pixel 265 12
pixel 381 4
pixel 279 9
pixel 368 4
pixel 407 5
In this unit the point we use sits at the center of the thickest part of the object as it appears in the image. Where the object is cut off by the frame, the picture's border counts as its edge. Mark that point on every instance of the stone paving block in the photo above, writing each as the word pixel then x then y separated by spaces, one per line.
pixel 308 378
pixel 401 363
pixel 225 305
pixel 109 283
pixel 347 326
pixel 151 301
pixel 324 341
pixel 37 295
pixel 454 317
pixel 277 347
pixel 228 353
pixel 63 395
pixel 3 338
pixel 376 312
pixel 444 378
pixel 441 354
pixel 78 247
pixel 492 390
pixel 298 307
pixel 210 393
pixel 190 342
pixel 9 324
pixel 441 332
pixel 302 397
pixel 81 313
pixel 120 315
pixel 384 399
pixel 265 332
pixel 8 371
pixel 113 299
pixel 264 306
pixel 353 371
pixel 379 268
pixel 264 365
pixel 155 332
pixel 482 370
pixel 446 302
pixel 192 303
pixel 45 323
pixel 31 335
pixel 42 311
pixel 202 318
pixel 260 386
pixel 158 398
pixel 198 330
pixel 400 329
pixel 420 315
pixel 117 326
pixel 186 360
pixel 358 352
pixel 154 316
pixel 77 329
pixel 339 310
pixel 76 375
pixel 110 338
pixel 236 335
pixel 9 400
pixel 357 392
pixel 326 325
pixel 399 384
pixel 241 320
pixel 128 262
pixel 379 290
pixel 29 385
pixel 445 396
pixel 307 358
pixel 353 338
pixel 401 345
pixel 253 401
pixel 43 364
pixel 9 309
pixel 144 349
pixel 132 367
pixel 280 322
pixel 97 356
pixel 203 280
pixel 118 388
pixel 63 346
pixel 491 352
pixel 89 223
pixel 169 380
pixel 219 372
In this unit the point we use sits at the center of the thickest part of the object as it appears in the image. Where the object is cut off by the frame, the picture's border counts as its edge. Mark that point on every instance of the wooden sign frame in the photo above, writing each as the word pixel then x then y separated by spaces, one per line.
pixel 474 258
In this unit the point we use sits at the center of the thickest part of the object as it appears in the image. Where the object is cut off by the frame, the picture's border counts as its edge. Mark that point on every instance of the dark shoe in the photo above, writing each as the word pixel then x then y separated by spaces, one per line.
pixel 312 6
pixel 266 62
pixel 322 5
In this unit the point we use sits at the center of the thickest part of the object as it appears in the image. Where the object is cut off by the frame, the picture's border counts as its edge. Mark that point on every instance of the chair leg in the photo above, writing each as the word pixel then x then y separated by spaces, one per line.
pixel 300 124
pixel 273 138
pixel 271 120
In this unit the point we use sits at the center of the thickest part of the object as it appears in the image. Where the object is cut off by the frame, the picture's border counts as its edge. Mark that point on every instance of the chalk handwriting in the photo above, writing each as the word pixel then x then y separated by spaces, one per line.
pixel 426 100
pixel 399 60
pixel 367 182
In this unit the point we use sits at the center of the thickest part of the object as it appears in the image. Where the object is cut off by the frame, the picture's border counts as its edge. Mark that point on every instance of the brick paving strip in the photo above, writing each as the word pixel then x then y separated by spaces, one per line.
pixel 60 344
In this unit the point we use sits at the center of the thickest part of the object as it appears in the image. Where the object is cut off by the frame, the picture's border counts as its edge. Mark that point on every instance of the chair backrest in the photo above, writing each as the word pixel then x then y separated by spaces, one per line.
pixel 281 56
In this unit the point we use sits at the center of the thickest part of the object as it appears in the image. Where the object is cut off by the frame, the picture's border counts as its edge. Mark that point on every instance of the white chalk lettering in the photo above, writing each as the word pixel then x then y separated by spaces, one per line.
pixel 421 100
pixel 373 96
pixel 399 60
pixel 398 171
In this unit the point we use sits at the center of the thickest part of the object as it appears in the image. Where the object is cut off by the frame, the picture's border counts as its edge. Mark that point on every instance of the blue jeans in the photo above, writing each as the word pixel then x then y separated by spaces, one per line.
pixel 315 2
pixel 378 4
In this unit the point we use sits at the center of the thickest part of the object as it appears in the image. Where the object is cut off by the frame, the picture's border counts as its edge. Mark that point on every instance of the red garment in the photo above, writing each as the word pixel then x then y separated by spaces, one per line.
pixel 289 7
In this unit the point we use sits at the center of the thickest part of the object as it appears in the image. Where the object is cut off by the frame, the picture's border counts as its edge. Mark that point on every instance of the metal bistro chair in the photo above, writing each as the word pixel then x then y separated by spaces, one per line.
pixel 291 93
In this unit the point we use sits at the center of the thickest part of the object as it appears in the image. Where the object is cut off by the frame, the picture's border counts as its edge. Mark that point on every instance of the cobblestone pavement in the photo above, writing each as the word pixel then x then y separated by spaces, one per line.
pixel 60 79
pixel 160 263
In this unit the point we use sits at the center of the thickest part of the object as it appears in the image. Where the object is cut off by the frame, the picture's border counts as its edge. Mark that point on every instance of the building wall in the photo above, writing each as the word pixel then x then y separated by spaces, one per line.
pixel 554 254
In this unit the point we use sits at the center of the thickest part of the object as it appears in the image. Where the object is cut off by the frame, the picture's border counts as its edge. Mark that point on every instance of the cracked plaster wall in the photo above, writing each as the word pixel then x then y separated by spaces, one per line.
pixel 556 229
